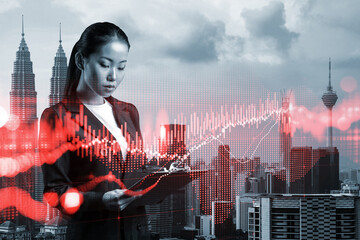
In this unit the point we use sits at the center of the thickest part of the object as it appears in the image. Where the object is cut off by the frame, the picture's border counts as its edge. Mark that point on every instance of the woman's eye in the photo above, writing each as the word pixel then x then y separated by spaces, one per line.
pixel 121 68
pixel 104 65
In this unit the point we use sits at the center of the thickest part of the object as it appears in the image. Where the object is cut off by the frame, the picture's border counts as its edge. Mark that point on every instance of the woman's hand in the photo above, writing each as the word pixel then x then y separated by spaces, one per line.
pixel 116 199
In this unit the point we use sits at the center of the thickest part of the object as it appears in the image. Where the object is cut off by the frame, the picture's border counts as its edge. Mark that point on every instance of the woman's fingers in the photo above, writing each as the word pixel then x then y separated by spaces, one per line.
pixel 117 199
pixel 119 193
pixel 123 203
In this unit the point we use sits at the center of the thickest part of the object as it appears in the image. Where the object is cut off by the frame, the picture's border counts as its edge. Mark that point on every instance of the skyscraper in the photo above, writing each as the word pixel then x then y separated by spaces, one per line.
pixel 304 216
pixel 57 85
pixel 223 170
pixel 23 94
pixel 221 224
pixel 314 171
pixel 221 198
pixel 329 98
pixel 300 170
pixel 326 170
pixel 285 137
pixel 58 78
pixel 22 138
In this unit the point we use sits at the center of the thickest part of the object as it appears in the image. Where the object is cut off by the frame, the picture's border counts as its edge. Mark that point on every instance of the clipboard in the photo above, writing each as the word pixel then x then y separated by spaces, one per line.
pixel 166 184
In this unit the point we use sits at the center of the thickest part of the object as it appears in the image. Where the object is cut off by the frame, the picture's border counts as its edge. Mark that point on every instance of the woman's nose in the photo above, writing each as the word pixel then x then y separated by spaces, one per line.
pixel 112 75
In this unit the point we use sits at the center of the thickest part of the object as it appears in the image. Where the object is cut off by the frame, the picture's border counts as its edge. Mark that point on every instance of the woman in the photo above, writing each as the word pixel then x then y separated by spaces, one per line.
pixel 91 142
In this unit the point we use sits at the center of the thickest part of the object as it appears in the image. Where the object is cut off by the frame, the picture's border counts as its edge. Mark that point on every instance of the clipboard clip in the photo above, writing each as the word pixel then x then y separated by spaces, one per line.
pixel 177 166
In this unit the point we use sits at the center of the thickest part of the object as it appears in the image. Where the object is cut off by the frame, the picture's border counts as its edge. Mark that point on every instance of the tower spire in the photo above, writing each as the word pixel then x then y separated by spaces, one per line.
pixel 329 99
pixel 60 41
pixel 22 26
pixel 58 78
pixel 330 87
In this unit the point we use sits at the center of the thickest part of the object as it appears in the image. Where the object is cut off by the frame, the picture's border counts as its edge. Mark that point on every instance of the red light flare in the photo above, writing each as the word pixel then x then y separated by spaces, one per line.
pixel 71 201
pixel 162 133
pixel 10 167
pixel 51 198
pixel 161 119
pixel 315 121
pixel 53 145
pixel 28 207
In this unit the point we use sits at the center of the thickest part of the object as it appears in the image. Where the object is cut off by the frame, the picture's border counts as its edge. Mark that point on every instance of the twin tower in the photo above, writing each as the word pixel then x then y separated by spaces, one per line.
pixel 23 97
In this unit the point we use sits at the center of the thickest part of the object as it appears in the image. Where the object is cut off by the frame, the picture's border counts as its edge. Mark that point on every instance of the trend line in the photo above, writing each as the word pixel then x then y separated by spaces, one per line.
pixel 263 139
pixel 256 138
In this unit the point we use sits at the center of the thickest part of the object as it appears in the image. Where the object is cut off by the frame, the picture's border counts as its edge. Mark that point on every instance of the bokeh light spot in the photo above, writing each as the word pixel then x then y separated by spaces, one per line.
pixel 71 201
pixel 343 123
pixel 51 198
pixel 13 123
pixel 348 84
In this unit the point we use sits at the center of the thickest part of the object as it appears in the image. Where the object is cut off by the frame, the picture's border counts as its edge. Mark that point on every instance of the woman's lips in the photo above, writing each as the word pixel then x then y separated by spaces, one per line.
pixel 109 86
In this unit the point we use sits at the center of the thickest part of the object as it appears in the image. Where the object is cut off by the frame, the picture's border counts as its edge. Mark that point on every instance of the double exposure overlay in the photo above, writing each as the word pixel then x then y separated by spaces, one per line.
pixel 227 162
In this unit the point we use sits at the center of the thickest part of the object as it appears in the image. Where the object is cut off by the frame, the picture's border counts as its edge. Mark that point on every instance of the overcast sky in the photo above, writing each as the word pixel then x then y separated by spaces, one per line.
pixel 197 53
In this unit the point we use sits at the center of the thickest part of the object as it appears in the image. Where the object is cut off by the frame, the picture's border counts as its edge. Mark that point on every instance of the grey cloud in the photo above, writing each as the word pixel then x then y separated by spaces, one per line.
pixel 269 23
pixel 353 62
pixel 127 23
pixel 200 44
pixel 337 14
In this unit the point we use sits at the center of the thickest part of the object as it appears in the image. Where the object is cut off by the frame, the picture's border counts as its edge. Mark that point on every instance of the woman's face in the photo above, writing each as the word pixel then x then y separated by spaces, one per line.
pixel 103 70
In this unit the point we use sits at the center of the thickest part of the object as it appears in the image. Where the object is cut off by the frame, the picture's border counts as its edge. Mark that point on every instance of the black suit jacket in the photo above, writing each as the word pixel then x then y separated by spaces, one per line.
pixel 77 152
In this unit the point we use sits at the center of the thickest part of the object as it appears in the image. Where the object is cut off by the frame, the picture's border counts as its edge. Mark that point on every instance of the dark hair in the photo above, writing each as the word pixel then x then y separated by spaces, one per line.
pixel 93 37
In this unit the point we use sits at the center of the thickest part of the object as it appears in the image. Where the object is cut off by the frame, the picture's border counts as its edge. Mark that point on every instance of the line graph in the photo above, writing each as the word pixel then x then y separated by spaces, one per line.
pixel 204 128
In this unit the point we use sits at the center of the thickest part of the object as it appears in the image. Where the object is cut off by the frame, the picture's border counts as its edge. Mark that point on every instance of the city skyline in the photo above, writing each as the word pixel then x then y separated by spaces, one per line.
pixel 58 64
pixel 207 93
pixel 218 76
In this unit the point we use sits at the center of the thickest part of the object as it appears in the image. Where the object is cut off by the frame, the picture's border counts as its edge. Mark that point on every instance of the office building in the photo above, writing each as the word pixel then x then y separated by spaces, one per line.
pixel 313 171
pixel 275 180
pixel 223 170
pixel 311 216
pixel 222 223
pixel 207 191
pixel 326 169
pixel 53 229
pixel 203 223
pixel 301 165
pixel 8 230
pixel 355 175
pixel 242 204
pixel 285 136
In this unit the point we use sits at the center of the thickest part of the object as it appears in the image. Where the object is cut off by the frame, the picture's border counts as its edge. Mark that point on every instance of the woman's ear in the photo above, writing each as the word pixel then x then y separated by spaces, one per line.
pixel 79 61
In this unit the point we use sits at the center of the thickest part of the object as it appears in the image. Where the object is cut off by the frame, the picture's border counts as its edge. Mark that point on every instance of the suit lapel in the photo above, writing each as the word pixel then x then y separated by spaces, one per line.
pixel 122 117
pixel 121 114
pixel 126 123
pixel 93 125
